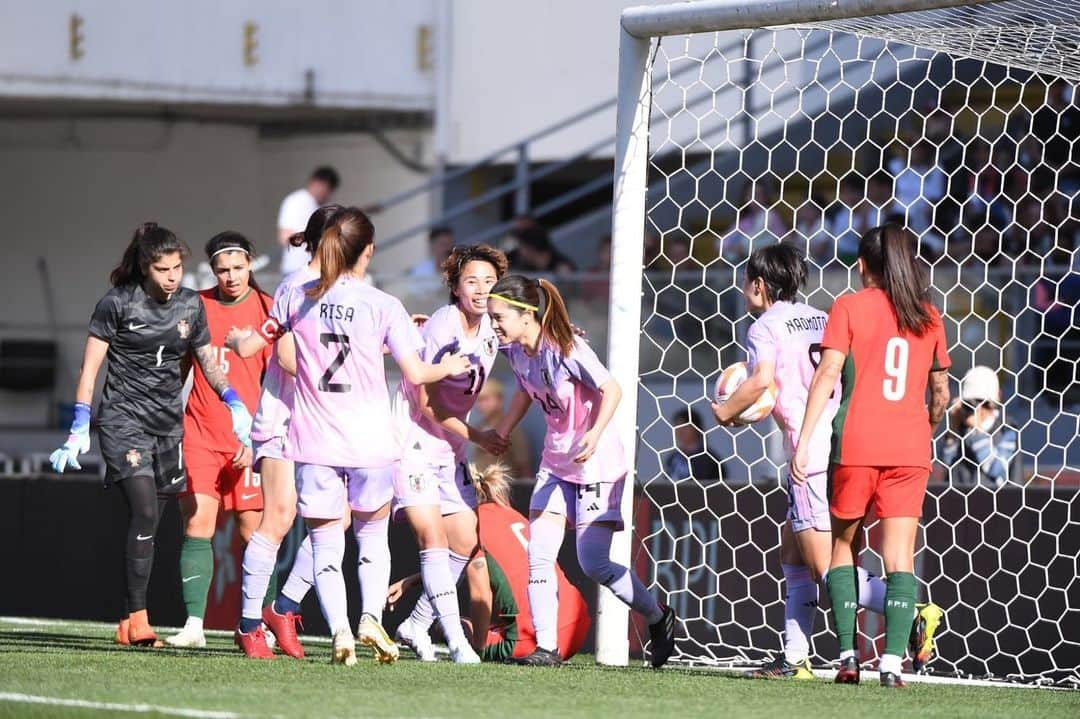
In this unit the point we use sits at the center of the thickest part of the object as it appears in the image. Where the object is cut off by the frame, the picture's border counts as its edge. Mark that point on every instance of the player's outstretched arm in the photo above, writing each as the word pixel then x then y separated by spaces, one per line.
pixel 610 393
pixel 519 405
pixel 246 342
pixel 78 440
pixel 745 394
pixel 418 372
pixel 215 377
pixel 823 384
pixel 939 395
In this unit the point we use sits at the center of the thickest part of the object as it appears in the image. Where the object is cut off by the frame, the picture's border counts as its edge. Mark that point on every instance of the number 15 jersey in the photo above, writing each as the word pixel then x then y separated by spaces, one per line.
pixel 882 420
pixel 341 407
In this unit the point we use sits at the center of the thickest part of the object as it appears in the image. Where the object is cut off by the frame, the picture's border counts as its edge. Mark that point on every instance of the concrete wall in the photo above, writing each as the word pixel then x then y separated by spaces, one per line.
pixel 73 191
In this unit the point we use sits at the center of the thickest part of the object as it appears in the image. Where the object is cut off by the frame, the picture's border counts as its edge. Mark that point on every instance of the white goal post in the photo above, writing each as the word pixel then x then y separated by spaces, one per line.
pixel 897 103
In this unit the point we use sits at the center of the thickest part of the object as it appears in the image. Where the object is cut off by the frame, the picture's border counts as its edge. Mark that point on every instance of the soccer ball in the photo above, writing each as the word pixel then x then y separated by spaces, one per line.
pixel 730 378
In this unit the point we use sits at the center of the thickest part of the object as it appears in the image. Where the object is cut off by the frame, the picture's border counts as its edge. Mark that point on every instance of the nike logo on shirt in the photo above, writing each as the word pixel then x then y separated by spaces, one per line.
pixel 177 479
pixel 246 497
pixel 141 538
pixel 133 327
pixel 185 580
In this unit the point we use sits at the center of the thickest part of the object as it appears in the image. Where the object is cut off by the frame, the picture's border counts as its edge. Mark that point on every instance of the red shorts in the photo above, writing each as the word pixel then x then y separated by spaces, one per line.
pixel 211 473
pixel 889 491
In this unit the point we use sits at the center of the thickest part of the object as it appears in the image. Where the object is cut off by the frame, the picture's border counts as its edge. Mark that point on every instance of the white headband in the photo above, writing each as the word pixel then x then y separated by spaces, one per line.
pixel 229 249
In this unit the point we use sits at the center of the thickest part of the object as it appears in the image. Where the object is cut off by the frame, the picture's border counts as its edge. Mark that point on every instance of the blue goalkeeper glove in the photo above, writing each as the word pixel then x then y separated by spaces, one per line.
pixel 241 418
pixel 78 441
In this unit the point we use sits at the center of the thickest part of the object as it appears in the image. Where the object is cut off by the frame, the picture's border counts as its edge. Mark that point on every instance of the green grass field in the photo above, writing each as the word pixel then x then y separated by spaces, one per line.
pixel 78 661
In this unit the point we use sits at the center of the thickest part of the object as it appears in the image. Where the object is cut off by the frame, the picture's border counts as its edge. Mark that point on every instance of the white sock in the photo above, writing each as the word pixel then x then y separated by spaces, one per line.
pixel 439 587
pixel 260 558
pixel 195 624
pixel 847 654
pixel 373 564
pixel 800 604
pixel 328 549
pixel 423 614
pixel 594 555
pixel 545 538
pixel 891 663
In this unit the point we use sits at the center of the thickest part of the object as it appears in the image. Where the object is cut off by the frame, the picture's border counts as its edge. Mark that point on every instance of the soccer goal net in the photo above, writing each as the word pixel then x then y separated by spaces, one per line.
pixel 748 123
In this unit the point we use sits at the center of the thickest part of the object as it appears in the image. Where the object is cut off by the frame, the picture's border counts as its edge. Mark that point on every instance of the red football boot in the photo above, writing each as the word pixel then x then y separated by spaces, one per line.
pixel 283 626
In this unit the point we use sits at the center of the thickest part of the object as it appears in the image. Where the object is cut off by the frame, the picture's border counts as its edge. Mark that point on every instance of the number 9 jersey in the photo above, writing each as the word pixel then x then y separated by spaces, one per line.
pixel 883 420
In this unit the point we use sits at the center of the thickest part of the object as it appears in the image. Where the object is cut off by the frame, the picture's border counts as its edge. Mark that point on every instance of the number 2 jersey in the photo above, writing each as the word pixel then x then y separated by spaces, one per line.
pixel 207 421
pixel 147 339
pixel 567 389
pixel 341 406
pixel 882 420
pixel 788 335
pixel 443 334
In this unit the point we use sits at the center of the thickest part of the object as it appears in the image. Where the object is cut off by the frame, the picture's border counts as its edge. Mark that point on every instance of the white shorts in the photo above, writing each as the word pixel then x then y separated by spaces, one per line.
pixel 808 503
pixel 321 491
pixel 425 482
pixel 581 504
pixel 273 448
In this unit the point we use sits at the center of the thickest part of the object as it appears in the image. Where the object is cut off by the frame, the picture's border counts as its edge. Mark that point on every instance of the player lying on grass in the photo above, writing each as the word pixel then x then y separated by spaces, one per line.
pixel 583 469
pixel 433 489
pixel 145 325
pixel 888 343
pixel 784 346
pixel 504 534
pixel 218 466
pixel 340 431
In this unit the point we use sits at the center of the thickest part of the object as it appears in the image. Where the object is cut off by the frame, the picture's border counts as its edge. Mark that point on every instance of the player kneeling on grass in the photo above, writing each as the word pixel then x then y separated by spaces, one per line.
pixel 146 325
pixel 340 431
pixel 888 343
pixel 219 467
pixel 784 347
pixel 504 533
pixel 582 471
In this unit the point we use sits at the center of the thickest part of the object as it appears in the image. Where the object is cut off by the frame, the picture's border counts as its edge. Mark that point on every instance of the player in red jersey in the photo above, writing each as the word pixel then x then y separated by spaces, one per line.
pixel 220 474
pixel 504 532
pixel 887 345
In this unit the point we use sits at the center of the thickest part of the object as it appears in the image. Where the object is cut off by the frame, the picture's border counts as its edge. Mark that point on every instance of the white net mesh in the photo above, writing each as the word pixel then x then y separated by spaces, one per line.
pixel 810 135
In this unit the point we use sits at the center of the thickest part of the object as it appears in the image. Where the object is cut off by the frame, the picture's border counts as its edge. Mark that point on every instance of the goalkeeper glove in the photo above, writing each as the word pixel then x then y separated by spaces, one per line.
pixel 77 442
pixel 241 418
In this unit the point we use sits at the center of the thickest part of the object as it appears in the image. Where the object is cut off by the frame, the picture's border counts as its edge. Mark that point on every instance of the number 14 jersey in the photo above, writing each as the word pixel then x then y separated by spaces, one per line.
pixel 882 420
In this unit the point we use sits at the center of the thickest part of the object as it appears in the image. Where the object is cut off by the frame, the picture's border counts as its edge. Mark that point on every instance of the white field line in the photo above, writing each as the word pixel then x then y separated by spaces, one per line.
pixel 113 707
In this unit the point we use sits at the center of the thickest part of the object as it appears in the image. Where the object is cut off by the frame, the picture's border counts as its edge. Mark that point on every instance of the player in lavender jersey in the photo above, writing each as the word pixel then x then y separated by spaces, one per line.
pixel 784 346
pixel 279 487
pixel 340 326
pixel 582 470
pixel 433 489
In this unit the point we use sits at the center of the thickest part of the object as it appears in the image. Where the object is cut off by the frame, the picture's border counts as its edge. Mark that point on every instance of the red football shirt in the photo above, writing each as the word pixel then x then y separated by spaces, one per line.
pixel 207 421
pixel 883 420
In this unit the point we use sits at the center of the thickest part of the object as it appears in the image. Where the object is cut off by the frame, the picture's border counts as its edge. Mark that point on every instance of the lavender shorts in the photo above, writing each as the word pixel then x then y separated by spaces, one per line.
pixel 321 491
pixel 420 481
pixel 581 504
pixel 808 503
pixel 273 448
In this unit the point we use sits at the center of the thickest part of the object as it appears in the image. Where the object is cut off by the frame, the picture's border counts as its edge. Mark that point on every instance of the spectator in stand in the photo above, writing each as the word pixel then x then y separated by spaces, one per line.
pixel 845 220
pixel 811 235
pixel 491 404
pixel 598 285
pixel 535 253
pixel 296 209
pixel 979 448
pixel 920 185
pixel 651 251
pixel 978 186
pixel 440 242
pixel 1057 300
pixel 1035 236
pixel 691 458
pixel 758 223
pixel 677 252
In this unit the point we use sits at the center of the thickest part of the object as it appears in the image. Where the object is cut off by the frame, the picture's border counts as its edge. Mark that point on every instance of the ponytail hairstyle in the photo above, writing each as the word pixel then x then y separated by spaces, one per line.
pixel 149 244
pixel 318 222
pixel 462 255
pixel 543 300
pixel 231 241
pixel 888 252
pixel 350 233
pixel 492 485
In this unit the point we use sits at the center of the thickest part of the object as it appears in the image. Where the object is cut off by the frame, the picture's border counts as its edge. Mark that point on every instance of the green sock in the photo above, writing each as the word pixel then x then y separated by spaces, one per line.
pixel 901 588
pixel 844 596
pixel 196 571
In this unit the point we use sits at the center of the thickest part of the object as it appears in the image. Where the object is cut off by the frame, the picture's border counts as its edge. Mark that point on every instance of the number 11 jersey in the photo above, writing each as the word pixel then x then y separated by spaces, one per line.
pixel 341 407
pixel 882 420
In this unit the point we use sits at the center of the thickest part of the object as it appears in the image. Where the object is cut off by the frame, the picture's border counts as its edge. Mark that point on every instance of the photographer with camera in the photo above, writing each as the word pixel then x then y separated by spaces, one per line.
pixel 979 448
